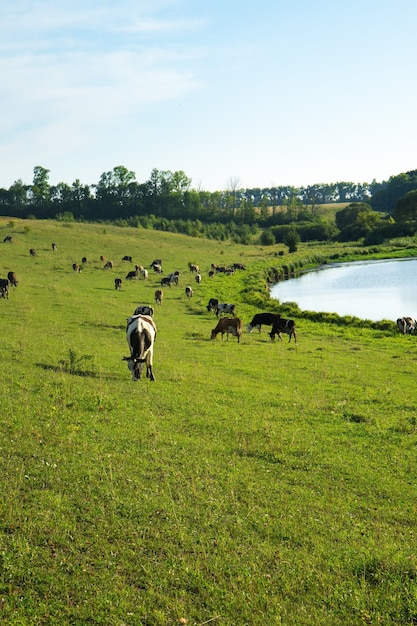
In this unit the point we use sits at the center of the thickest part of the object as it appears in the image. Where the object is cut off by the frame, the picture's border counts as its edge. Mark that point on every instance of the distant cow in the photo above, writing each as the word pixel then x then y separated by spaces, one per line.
pixel 4 287
pixel 117 283
pixel 159 296
pixel 54 248
pixel 189 291
pixel 108 265
pixel 76 268
pixel 32 252
pixel 165 282
pixel 8 239
pixel 144 309
pixel 11 277
pixel 406 325
pixel 282 325
pixel 198 279
pixel 212 305
pixel 101 258
pixel 144 273
pixel 84 260
pixel 232 325
pixel 127 258
pixel 238 266
pixel 140 336
pixel 133 274
pixel 193 267
pixel 262 319
pixel 224 308
pixel 157 268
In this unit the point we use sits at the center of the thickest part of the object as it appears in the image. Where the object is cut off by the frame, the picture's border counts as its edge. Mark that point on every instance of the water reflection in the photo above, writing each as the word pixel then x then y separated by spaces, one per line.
pixel 373 290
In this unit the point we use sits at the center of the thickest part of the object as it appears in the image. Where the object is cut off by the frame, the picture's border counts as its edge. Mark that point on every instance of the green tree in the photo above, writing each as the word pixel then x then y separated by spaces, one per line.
pixel 292 240
pixel 406 207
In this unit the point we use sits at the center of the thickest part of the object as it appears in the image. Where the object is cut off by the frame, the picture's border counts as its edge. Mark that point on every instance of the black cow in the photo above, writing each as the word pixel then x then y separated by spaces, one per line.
pixel 282 325
pixel 132 275
pixel 117 283
pixel 262 319
pixel 11 277
pixel 127 258
pixel 212 305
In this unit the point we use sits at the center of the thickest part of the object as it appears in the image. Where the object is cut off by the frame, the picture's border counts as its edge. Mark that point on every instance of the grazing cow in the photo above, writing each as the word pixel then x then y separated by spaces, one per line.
pixel 189 291
pixel 76 268
pixel 223 308
pixel 232 325
pixel 127 258
pixel 193 267
pixel 54 248
pixel 8 239
pixel 84 260
pixel 144 273
pixel 238 266
pixel 133 274
pixel 166 282
pixel 212 305
pixel 174 278
pixel 263 319
pixel 144 309
pixel 157 268
pixel 406 325
pixel 117 283
pixel 11 277
pixel 282 325
pixel 108 265
pixel 198 279
pixel 211 274
pixel 4 287
pixel 140 336
pixel 159 296
pixel 32 252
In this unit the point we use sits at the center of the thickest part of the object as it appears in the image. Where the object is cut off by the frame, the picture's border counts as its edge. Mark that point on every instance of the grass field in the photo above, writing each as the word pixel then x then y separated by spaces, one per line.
pixel 256 483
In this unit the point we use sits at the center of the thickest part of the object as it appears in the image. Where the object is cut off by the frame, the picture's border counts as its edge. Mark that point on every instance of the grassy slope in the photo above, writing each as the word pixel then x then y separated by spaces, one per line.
pixel 257 483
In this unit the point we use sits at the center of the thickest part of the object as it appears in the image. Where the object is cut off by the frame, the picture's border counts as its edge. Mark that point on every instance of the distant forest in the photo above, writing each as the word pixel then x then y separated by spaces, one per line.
pixel 167 201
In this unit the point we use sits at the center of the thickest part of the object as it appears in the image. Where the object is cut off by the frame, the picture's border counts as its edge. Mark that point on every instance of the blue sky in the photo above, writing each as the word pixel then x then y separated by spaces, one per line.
pixel 260 93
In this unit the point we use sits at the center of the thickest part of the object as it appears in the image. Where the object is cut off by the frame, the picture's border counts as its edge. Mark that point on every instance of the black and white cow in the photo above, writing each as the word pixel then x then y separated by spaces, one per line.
pixel 406 325
pixel 212 305
pixel 132 275
pixel 140 336
pixel 4 287
pixel 224 308
pixel 282 325
pixel 262 319
pixel 189 291
pixel 144 309
pixel 127 258
pixel 117 283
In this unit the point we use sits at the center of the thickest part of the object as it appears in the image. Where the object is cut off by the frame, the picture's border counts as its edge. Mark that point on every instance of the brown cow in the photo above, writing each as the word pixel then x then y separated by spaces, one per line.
pixel 232 325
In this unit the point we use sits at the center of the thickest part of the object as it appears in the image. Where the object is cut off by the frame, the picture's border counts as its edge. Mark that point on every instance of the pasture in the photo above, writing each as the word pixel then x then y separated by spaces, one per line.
pixel 254 483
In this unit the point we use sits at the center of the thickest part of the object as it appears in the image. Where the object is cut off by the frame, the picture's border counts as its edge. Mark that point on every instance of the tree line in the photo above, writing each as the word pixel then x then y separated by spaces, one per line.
pixel 167 201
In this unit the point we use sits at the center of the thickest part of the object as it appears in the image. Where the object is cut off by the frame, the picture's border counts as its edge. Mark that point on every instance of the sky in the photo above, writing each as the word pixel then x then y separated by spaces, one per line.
pixel 235 93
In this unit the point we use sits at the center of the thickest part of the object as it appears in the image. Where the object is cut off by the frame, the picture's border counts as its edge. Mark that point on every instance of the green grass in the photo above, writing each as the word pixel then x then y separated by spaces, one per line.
pixel 254 483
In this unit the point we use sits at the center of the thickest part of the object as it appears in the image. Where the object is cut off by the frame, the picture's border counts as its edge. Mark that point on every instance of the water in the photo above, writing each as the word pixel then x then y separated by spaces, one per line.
pixel 372 290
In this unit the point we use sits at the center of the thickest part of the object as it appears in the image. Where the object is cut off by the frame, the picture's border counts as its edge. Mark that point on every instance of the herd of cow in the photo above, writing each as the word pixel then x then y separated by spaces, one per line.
pixel 141 328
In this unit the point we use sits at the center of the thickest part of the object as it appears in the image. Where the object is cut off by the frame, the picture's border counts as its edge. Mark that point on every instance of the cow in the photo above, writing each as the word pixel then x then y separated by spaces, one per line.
pixel 144 309
pixel 198 279
pixel 282 325
pixel 76 268
pixel 84 260
pixel 166 282
pixel 101 258
pixel 238 266
pixel 174 278
pixel 54 247
pixel 159 296
pixel 189 291
pixel 127 258
pixel 133 274
pixel 32 252
pixel 223 308
pixel 232 325
pixel 262 319
pixel 144 273
pixel 406 325
pixel 193 267
pixel 108 265
pixel 8 239
pixel 4 287
pixel 140 336
pixel 11 277
pixel 212 305
pixel 157 268
pixel 117 283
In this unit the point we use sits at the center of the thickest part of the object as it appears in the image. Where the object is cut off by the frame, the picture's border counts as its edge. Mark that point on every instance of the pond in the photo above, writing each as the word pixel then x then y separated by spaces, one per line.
pixel 373 290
